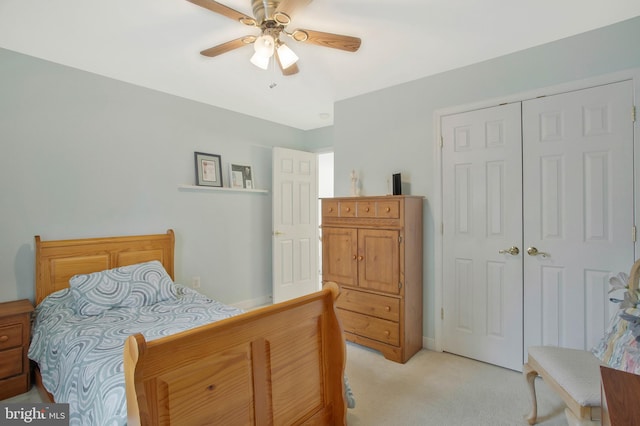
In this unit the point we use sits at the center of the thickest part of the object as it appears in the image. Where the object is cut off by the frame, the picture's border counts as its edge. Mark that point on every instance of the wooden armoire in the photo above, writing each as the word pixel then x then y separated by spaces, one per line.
pixel 372 247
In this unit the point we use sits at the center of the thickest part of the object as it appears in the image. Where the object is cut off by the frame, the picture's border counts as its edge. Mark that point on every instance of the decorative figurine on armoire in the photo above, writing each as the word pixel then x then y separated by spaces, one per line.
pixel 355 191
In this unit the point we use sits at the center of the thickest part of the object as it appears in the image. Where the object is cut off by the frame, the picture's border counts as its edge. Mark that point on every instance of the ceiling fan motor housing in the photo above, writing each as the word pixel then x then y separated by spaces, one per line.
pixel 264 10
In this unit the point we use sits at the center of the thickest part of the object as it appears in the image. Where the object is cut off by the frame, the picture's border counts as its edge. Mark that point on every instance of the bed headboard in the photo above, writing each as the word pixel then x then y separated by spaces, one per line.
pixel 57 261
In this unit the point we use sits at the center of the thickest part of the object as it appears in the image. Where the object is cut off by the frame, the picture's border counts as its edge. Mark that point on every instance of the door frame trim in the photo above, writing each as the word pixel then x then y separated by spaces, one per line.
pixel 631 74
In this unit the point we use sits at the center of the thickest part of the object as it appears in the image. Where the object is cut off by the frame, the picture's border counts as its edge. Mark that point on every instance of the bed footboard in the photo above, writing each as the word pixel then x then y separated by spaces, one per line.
pixel 282 364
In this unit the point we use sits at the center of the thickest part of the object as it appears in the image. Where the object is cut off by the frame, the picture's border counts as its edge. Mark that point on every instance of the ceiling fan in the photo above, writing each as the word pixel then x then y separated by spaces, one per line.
pixel 272 18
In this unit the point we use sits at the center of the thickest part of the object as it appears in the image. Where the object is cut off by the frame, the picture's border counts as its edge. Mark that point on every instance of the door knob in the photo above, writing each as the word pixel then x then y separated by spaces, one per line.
pixel 513 251
pixel 534 252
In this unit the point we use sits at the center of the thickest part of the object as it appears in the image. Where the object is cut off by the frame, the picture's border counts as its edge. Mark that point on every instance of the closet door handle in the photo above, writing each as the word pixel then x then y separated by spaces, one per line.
pixel 513 251
pixel 532 251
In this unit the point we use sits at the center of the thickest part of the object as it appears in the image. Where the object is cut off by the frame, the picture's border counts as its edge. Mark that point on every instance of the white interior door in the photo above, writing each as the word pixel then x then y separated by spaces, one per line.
pixel 295 224
pixel 578 211
pixel 482 211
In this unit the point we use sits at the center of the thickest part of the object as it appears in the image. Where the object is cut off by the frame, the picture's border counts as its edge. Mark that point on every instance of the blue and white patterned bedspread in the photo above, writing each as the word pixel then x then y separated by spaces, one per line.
pixel 80 358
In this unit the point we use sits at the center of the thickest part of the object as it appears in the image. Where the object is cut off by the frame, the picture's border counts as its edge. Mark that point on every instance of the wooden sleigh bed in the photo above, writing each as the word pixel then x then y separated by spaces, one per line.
pixel 282 364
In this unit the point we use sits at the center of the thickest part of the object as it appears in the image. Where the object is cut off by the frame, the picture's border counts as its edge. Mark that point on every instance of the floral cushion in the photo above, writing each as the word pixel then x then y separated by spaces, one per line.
pixel 619 348
pixel 130 286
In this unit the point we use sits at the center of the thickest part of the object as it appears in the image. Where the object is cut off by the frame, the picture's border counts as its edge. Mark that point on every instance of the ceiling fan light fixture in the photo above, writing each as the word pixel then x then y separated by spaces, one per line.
pixel 260 61
pixel 286 56
pixel 264 46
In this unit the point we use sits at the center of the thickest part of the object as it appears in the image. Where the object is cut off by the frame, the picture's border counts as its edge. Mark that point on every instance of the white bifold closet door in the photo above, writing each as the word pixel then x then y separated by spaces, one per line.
pixel 538 211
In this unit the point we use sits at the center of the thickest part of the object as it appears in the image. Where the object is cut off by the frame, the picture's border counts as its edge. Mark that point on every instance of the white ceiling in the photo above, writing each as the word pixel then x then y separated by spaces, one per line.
pixel 156 44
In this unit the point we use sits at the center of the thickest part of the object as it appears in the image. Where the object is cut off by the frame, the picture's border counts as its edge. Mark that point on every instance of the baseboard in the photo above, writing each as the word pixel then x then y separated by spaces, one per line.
pixel 250 304
pixel 429 343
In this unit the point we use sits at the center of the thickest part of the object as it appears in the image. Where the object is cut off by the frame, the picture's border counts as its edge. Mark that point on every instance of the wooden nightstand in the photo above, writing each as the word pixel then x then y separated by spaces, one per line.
pixel 15 334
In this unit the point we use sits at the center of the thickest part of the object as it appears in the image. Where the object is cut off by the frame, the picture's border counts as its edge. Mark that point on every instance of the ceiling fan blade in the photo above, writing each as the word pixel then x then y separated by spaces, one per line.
pixel 214 6
pixel 290 70
pixel 228 46
pixel 335 41
pixel 286 8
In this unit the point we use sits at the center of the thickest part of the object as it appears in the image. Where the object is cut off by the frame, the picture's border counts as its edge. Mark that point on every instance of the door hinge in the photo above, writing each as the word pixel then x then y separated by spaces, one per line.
pixel 441 228
pixel 633 113
pixel 441 313
pixel 441 141
pixel 399 285
pixel 633 233
pixel 399 239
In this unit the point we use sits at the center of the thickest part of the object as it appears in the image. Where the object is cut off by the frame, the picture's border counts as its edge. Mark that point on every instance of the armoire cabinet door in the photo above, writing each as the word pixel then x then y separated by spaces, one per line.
pixel 379 260
pixel 339 255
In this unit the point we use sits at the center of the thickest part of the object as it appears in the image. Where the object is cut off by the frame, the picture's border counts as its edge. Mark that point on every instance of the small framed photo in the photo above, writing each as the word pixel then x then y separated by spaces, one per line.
pixel 241 176
pixel 208 169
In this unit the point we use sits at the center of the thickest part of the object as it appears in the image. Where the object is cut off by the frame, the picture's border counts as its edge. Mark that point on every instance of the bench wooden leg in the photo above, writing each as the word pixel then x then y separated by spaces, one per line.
pixel 530 375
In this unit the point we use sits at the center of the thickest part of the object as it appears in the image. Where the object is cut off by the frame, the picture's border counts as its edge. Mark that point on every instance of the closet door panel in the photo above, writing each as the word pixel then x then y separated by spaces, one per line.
pixel 578 211
pixel 482 180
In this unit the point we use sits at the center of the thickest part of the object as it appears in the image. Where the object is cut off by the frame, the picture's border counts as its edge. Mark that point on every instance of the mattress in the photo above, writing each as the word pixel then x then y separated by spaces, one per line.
pixel 81 358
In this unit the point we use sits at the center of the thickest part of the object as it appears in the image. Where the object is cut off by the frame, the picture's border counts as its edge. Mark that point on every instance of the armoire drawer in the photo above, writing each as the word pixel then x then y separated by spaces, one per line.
pixel 371 327
pixel 369 304
pixel 330 208
pixel 388 209
pixel 385 209
pixel 347 209
pixel 366 208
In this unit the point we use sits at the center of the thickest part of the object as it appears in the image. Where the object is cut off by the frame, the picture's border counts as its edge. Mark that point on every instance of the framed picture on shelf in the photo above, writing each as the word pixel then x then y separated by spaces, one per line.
pixel 208 169
pixel 241 176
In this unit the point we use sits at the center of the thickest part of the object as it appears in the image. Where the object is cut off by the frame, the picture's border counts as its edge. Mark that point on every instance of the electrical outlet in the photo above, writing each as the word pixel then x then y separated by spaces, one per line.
pixel 195 282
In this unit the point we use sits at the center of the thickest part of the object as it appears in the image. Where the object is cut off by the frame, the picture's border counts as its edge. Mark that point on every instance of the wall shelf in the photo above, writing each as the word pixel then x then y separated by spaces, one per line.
pixel 221 189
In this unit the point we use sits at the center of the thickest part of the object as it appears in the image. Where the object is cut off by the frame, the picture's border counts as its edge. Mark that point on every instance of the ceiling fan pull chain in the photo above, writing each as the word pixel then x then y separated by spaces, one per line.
pixel 272 62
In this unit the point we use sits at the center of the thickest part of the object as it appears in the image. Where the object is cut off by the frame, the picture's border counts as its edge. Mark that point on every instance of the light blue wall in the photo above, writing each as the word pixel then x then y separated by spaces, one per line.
pixel 392 130
pixel 85 156
pixel 318 140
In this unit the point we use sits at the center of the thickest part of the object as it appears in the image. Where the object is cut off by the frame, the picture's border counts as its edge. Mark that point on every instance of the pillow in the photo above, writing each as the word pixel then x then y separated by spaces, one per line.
pixel 130 286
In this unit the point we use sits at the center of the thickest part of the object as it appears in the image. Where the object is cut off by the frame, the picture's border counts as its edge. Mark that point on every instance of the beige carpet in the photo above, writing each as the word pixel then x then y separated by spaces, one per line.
pixel 435 388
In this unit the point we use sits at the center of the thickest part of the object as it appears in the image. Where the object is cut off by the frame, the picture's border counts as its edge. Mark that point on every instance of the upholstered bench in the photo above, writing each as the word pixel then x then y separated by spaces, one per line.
pixel 573 374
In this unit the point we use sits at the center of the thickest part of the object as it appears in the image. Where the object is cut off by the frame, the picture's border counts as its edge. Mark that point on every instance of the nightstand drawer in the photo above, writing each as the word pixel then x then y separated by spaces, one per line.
pixel 14 386
pixel 10 336
pixel 15 334
pixel 10 362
